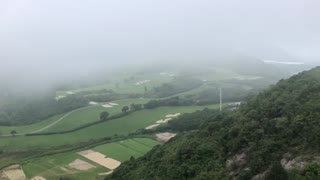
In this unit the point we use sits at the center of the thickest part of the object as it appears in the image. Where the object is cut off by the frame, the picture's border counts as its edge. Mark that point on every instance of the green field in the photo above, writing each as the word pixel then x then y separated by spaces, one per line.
pixel 54 166
pixel 31 127
pixel 91 114
pixel 125 87
pixel 123 150
pixel 124 125
pixel 73 120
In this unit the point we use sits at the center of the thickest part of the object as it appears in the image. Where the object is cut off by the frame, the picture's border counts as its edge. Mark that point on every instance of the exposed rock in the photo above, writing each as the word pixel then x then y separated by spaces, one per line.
pixel 299 162
pixel 260 176
pixel 236 163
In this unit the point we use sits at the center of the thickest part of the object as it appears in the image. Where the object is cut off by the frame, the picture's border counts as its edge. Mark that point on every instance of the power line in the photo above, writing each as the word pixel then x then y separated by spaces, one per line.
pixel 220 99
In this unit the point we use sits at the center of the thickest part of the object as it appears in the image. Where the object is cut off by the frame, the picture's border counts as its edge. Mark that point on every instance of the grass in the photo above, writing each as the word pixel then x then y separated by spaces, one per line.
pixel 72 121
pixel 123 126
pixel 90 115
pixel 31 127
pixel 125 87
pixel 123 150
pixel 55 166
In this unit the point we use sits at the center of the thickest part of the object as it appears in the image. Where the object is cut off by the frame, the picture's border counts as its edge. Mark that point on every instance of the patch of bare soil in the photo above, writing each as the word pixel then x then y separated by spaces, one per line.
pixel 105 174
pixel 152 126
pixel 81 165
pixel 38 178
pixel 173 115
pixel 164 137
pixel 14 172
pixel 107 106
pixel 100 159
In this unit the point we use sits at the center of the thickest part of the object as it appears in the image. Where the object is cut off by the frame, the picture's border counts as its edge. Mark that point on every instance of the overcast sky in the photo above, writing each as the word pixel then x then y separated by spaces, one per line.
pixel 54 37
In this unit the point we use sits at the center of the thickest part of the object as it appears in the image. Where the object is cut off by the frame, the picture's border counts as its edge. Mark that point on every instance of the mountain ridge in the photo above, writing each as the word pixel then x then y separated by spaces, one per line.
pixel 275 134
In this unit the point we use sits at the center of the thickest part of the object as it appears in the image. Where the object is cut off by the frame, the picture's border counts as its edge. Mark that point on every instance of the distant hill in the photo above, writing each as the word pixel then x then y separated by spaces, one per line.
pixel 275 135
pixel 244 65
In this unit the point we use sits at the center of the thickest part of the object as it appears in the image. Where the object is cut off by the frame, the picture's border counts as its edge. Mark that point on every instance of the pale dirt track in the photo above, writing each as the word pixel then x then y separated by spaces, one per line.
pixel 60 119
pixel 48 126
pixel 152 126
pixel 161 121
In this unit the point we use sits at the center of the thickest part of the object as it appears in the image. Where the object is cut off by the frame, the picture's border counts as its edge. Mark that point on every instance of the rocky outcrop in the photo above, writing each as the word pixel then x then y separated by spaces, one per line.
pixel 236 163
pixel 299 162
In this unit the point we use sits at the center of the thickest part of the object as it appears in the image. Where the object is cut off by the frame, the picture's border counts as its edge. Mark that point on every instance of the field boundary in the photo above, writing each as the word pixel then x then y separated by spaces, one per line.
pixel 48 126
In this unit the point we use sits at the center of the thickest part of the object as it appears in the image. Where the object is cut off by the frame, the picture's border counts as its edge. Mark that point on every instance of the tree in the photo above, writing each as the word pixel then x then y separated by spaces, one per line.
pixel 277 172
pixel 125 109
pixel 135 107
pixel 13 132
pixel 104 115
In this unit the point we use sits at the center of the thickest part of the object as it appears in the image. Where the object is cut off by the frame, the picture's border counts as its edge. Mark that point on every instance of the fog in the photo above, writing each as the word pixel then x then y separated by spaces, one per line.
pixel 45 42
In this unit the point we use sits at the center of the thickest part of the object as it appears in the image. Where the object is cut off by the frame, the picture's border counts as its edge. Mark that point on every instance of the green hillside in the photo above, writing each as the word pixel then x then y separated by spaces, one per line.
pixel 275 135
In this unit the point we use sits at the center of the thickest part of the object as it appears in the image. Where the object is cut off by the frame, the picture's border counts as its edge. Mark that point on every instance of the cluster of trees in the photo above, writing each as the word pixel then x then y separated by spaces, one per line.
pixel 133 107
pixel 104 116
pixel 179 85
pixel 174 101
pixel 211 95
pixel 282 119
pixel 105 97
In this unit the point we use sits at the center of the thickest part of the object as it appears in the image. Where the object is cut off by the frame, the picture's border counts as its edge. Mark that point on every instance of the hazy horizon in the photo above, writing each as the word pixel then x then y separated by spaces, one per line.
pixel 50 41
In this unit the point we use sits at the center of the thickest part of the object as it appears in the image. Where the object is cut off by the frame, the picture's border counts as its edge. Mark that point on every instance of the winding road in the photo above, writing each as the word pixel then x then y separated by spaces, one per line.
pixel 49 125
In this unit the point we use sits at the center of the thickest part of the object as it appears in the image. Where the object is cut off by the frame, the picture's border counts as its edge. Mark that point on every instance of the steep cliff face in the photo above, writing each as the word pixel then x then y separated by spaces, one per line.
pixel 274 135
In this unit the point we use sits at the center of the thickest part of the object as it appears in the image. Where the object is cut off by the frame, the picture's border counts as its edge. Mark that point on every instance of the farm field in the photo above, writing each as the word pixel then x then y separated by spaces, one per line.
pixel 31 127
pixel 91 115
pixel 125 87
pixel 54 166
pixel 75 119
pixel 123 150
pixel 120 126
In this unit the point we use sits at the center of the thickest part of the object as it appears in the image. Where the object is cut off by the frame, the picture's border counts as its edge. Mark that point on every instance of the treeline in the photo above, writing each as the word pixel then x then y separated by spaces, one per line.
pixel 179 85
pixel 280 124
pixel 111 97
pixel 101 120
pixel 174 101
pixel 211 95
pixel 105 95
pixel 28 110
pixel 104 117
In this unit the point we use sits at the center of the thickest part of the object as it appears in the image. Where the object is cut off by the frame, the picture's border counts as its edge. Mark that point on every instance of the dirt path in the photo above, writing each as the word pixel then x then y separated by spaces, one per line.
pixel 49 125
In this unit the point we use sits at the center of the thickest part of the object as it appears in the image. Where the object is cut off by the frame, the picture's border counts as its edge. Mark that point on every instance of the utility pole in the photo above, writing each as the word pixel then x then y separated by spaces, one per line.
pixel 220 99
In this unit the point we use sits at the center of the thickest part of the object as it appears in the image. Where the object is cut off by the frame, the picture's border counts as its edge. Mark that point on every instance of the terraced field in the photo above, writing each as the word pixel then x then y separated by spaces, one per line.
pixel 123 150
pixel 55 166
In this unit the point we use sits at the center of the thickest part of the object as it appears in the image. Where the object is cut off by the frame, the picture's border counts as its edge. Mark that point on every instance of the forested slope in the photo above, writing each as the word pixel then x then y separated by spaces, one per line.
pixel 275 135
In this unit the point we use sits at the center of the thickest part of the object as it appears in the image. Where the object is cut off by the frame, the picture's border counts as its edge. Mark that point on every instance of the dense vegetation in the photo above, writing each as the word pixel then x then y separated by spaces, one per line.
pixel 28 110
pixel 280 124
pixel 211 95
pixel 177 86
pixel 174 101
pixel 106 95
